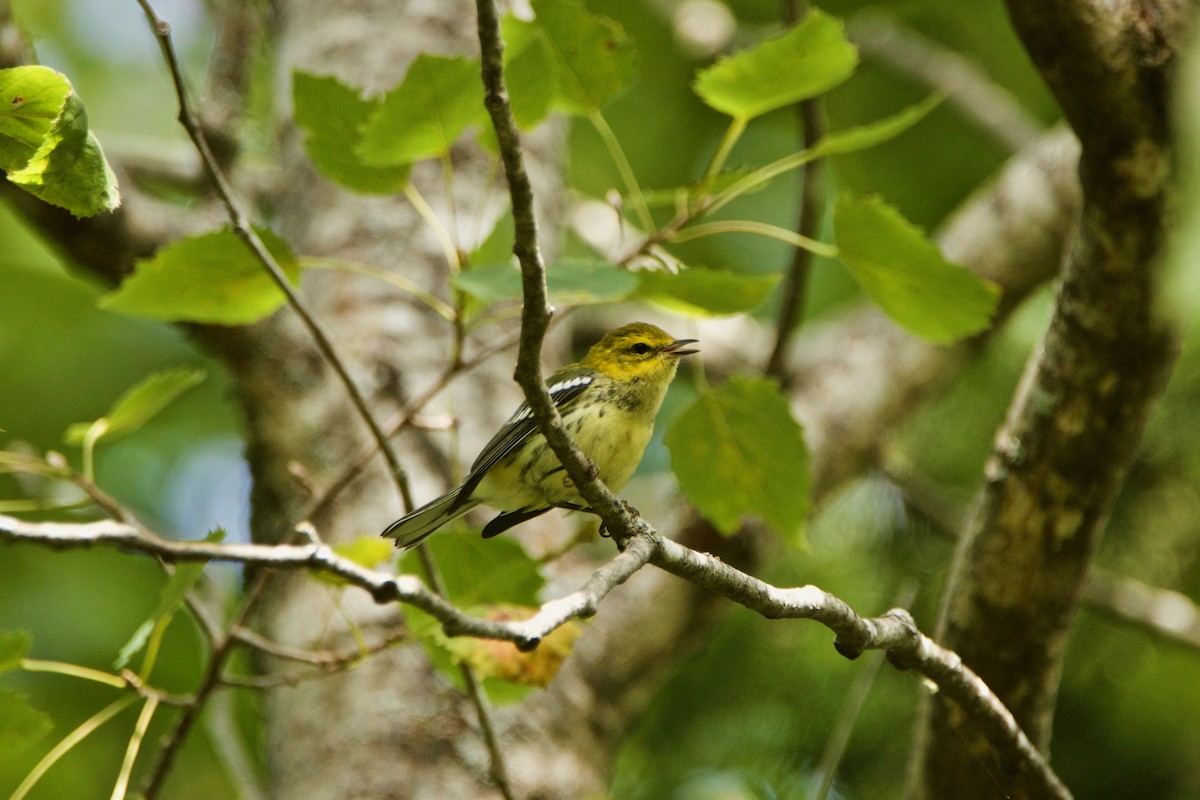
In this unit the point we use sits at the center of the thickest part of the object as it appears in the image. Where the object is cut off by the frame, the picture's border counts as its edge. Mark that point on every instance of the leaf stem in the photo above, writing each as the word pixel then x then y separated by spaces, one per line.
pixel 74 671
pixel 624 168
pixel 135 744
pixel 737 127
pixel 445 240
pixel 759 229
pixel 85 729
pixel 430 300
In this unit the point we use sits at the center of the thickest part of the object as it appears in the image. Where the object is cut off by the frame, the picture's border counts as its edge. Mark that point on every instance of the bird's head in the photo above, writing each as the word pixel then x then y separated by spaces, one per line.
pixel 638 350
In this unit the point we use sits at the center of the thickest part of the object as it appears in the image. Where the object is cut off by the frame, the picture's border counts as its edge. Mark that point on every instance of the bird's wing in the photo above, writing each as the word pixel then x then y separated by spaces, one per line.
pixel 520 426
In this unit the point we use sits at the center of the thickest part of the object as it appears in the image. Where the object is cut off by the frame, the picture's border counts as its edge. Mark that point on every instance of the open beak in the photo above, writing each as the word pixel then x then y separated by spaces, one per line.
pixel 674 347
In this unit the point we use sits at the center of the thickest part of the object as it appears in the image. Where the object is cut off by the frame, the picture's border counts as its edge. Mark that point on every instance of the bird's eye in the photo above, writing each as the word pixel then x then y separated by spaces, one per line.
pixel 640 348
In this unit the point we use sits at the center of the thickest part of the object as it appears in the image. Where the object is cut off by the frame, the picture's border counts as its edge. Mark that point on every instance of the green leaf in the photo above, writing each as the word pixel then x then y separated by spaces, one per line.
pixel 905 273
pixel 875 133
pixel 46 147
pixel 21 725
pixel 571 282
pixel 332 115
pixel 479 571
pixel 211 278
pixel 423 116
pixel 808 60
pixel 31 101
pixel 170 600
pixel 705 291
pixel 530 71
pixel 738 452
pixel 366 551
pixel 140 403
pixel 568 59
pixel 497 248
pixel 14 646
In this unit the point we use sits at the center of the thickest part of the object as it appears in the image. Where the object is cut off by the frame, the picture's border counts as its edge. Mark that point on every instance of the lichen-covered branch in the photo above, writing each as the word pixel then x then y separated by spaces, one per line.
pixel 1078 415
pixel 894 632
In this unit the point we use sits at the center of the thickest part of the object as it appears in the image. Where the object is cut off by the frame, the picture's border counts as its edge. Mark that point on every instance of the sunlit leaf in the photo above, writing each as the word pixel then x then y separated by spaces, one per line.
pixel 571 282
pixel 530 71
pixel 170 600
pixel 438 99
pixel 211 278
pixel 332 115
pixel 875 133
pixel 738 452
pixel 366 551
pixel 809 59
pixel 46 147
pixel 478 571
pixel 141 403
pixel 705 291
pixel 14 646
pixel 568 59
pixel 21 725
pixel 497 246
pixel 906 274
pixel 31 100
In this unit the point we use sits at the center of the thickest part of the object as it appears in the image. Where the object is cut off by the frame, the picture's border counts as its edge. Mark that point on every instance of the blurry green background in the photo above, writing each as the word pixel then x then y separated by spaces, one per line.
pixel 750 715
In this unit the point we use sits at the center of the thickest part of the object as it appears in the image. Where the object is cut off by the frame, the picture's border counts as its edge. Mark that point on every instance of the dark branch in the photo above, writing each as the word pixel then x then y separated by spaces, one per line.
pixel 535 311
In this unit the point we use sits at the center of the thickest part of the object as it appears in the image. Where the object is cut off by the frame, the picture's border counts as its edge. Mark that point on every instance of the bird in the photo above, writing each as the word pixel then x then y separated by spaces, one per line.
pixel 608 402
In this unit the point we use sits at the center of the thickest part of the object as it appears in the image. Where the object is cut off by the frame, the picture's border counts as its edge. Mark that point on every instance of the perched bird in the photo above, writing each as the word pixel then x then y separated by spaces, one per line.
pixel 607 401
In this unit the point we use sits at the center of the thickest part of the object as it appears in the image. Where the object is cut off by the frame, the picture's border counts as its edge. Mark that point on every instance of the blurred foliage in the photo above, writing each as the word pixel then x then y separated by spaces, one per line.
pixel 750 715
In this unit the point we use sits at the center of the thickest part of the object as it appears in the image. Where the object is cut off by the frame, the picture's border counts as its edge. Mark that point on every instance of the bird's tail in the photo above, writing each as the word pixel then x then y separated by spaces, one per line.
pixel 411 530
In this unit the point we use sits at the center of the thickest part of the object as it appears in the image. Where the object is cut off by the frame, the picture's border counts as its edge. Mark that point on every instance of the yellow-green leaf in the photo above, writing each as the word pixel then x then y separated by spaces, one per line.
pixel 14 646
pixel 21 725
pixel 46 147
pixel 906 274
pixel 139 404
pixel 705 291
pixel 332 116
pixel 422 117
pixel 807 60
pixel 738 452
pixel 211 278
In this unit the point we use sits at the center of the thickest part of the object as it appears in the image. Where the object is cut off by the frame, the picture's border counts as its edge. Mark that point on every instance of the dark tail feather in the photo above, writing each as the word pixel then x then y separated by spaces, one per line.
pixel 411 530
pixel 503 522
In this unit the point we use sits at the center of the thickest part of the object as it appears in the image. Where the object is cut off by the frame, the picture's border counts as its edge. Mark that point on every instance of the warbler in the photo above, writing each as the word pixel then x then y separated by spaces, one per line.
pixel 608 402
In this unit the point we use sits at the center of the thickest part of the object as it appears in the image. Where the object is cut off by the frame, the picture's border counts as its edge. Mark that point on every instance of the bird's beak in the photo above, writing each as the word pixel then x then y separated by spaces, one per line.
pixel 673 347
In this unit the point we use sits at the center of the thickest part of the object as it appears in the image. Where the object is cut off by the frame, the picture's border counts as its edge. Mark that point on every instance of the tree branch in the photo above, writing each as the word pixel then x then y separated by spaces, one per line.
pixel 1079 412
pixel 894 632
pixel 535 309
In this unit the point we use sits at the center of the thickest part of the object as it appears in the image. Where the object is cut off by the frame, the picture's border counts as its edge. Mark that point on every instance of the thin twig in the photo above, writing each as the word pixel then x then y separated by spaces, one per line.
pixel 402 420
pixel 209 683
pixel 240 223
pixel 810 118
pixel 839 738
pixel 242 227
pixel 535 309
pixel 895 631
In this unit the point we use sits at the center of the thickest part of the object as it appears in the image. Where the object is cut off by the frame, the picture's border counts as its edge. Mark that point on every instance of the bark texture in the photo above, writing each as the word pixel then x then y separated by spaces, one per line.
pixel 1079 413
